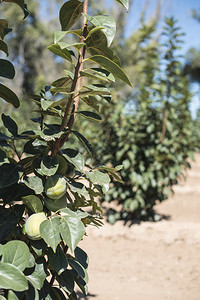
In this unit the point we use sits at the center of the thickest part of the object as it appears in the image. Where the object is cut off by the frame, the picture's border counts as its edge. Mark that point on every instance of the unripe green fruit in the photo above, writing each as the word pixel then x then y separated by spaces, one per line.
pixel 55 205
pixel 55 186
pixel 32 225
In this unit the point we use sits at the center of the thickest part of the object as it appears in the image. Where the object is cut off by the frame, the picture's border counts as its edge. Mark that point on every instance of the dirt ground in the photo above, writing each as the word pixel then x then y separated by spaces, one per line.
pixel 150 261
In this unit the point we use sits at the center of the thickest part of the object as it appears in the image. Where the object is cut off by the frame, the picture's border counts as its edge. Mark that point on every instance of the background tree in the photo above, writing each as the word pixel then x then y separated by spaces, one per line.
pixel 151 132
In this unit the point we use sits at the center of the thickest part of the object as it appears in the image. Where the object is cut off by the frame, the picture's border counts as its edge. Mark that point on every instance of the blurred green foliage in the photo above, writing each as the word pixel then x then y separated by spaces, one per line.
pixel 151 132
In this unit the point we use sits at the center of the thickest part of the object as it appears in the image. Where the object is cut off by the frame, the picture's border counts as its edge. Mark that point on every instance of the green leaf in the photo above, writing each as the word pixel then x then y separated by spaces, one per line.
pixel 59 35
pixel 93 30
pixel 90 115
pixel 95 89
pixel 84 141
pixel 4 28
pixel 99 74
pixel 21 4
pixel 97 45
pixel 16 253
pixel 113 171
pixel 39 246
pixel 100 178
pixel 82 257
pixel 78 187
pixel 4 47
pixel 39 275
pixel 58 260
pixel 64 53
pixel 12 278
pixel 2 298
pixel 49 231
pixel 45 104
pixel 74 157
pixel 77 46
pixel 125 3
pixel 107 22
pixel 72 231
pixel 69 74
pixel 9 96
pixel 10 124
pixel 51 132
pixel 33 202
pixel 12 296
pixel 92 101
pixel 66 281
pixel 49 165
pixel 32 293
pixel 34 183
pixel 79 269
pixel 61 82
pixel 7 69
pixel 70 12
pixel 57 294
pixel 9 174
pixel 111 67
pixel 3 157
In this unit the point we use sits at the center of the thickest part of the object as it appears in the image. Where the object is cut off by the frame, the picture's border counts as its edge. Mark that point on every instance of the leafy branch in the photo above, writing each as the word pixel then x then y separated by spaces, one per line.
pixel 76 85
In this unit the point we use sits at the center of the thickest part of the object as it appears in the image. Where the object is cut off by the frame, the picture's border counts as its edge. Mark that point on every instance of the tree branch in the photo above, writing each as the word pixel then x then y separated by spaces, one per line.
pixel 76 85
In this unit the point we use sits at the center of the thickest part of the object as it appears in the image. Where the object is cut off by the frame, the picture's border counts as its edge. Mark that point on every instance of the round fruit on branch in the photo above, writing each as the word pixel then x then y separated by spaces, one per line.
pixel 32 225
pixel 55 186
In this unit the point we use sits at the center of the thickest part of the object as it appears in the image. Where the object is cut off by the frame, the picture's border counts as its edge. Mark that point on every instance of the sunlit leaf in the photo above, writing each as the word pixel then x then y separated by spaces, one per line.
pixel 34 183
pixel 16 253
pixel 107 22
pixel 39 274
pixel 21 4
pixel 72 230
pixel 33 202
pixel 12 278
pixel 74 157
pixel 111 67
pixel 125 3
pixel 64 53
pixel 100 178
pixel 49 231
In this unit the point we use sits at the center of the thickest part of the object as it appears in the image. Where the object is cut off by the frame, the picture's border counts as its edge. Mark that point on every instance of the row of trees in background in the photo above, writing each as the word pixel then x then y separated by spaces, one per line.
pixel 150 131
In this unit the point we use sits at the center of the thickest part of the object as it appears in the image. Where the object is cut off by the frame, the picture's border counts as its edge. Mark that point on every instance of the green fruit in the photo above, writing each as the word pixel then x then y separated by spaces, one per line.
pixel 32 225
pixel 55 205
pixel 55 186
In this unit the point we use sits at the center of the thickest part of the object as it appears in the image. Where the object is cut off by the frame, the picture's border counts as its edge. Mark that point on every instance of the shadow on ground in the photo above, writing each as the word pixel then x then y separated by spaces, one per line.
pixel 81 296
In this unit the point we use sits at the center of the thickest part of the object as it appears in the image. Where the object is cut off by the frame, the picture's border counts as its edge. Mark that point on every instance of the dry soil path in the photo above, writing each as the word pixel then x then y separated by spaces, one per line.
pixel 150 261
